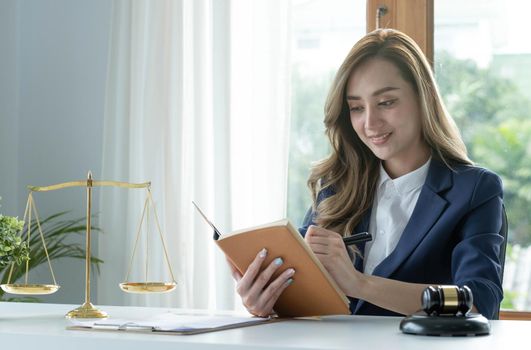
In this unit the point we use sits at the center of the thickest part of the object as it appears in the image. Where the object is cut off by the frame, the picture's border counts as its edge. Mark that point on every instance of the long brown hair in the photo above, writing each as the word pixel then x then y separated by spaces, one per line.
pixel 352 170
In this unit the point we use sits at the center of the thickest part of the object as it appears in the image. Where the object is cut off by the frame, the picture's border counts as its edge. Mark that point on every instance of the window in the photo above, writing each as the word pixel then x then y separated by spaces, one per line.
pixel 483 67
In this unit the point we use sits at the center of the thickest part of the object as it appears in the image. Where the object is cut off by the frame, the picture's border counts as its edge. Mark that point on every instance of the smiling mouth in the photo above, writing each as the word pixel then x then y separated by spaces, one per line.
pixel 379 139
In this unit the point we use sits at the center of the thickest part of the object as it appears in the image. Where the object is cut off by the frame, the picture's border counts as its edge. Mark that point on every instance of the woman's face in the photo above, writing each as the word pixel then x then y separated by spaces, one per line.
pixel 385 113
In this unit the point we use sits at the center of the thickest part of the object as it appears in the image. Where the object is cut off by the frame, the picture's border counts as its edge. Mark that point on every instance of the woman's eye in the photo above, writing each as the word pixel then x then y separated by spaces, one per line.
pixel 356 109
pixel 387 103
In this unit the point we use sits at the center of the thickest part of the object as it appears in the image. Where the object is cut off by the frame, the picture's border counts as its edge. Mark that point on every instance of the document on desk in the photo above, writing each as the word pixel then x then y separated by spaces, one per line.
pixel 170 323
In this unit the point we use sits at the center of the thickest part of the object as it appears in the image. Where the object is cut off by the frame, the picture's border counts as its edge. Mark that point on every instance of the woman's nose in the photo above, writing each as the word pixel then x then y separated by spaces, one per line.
pixel 372 119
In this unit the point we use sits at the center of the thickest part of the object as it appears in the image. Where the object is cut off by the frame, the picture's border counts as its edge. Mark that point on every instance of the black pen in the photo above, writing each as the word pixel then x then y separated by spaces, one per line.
pixel 357 238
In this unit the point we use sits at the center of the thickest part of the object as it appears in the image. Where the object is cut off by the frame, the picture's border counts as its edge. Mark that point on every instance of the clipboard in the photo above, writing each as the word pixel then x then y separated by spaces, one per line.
pixel 171 323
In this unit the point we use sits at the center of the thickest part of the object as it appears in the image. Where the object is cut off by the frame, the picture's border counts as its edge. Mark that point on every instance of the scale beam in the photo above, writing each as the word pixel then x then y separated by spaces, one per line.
pixel 88 183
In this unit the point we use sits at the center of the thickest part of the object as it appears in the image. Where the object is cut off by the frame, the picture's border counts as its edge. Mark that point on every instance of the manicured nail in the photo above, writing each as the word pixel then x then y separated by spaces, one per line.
pixel 291 272
pixel 290 281
pixel 263 253
pixel 279 261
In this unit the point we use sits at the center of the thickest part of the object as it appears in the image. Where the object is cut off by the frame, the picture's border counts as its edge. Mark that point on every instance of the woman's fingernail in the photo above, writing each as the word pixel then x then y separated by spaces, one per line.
pixel 263 253
pixel 279 261
pixel 291 272
pixel 290 281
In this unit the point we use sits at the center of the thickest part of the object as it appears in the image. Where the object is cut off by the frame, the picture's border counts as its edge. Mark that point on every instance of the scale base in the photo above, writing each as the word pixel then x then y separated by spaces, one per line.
pixel 86 310
pixel 422 324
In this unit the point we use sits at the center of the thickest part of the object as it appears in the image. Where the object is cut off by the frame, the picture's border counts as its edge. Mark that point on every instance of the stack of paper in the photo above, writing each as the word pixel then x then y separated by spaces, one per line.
pixel 170 322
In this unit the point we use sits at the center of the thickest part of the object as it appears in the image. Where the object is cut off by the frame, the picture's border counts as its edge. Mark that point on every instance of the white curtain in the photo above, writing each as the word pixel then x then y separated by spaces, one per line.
pixel 197 103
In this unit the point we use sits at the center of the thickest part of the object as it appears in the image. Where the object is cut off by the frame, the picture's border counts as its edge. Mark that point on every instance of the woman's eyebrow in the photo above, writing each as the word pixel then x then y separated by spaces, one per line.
pixel 376 93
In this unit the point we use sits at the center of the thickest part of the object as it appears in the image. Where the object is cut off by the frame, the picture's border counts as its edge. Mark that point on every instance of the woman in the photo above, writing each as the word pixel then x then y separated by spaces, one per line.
pixel 399 170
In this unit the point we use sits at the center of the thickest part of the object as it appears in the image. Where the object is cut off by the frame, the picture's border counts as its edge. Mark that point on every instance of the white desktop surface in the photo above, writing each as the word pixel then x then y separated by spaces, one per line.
pixel 42 326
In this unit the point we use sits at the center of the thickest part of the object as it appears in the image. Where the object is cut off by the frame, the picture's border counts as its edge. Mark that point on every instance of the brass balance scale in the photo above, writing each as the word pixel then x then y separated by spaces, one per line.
pixel 87 310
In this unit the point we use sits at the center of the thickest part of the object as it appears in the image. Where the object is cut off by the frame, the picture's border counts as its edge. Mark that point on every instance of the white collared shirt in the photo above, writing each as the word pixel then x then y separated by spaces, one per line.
pixel 391 210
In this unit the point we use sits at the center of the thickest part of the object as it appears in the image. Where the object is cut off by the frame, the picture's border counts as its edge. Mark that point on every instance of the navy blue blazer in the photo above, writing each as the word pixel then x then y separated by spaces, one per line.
pixel 452 237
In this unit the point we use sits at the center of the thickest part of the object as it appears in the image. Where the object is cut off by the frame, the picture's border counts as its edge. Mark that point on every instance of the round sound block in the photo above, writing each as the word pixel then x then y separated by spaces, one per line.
pixel 470 324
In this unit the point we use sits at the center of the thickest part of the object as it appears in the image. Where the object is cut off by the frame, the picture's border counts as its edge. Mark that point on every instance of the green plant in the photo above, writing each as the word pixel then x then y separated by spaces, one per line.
pixel 12 248
pixel 57 232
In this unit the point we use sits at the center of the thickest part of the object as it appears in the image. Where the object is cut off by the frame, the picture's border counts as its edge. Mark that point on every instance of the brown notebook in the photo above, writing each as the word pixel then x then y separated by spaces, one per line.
pixel 313 292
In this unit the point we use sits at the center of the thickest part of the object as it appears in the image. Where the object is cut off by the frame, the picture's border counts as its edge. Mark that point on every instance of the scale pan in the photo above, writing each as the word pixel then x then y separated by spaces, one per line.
pixel 30 289
pixel 147 287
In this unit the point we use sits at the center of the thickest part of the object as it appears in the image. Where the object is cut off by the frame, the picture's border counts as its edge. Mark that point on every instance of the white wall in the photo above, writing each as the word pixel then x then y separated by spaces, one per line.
pixel 52 93
pixel 8 107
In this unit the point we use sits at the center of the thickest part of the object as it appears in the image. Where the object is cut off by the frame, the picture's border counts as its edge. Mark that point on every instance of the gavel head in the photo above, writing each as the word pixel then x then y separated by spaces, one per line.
pixel 447 300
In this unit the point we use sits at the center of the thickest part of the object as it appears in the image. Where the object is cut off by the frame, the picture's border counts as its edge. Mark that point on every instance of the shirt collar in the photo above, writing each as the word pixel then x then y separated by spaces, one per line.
pixel 407 182
pixel 384 177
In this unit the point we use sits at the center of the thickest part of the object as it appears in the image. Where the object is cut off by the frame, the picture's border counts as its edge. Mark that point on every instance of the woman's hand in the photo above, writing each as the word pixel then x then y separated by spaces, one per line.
pixel 329 248
pixel 258 300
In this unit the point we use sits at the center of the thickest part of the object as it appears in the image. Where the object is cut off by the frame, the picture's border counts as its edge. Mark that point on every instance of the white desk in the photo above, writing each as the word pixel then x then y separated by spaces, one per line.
pixel 42 326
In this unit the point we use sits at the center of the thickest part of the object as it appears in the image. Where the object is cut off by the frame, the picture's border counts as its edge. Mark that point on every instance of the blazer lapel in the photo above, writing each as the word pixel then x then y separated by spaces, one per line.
pixel 428 209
